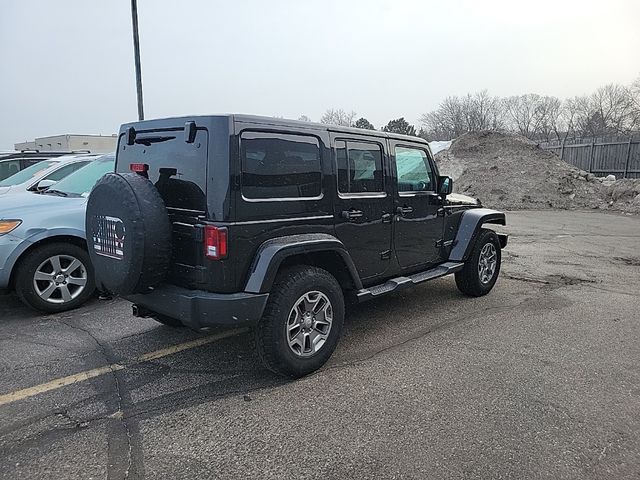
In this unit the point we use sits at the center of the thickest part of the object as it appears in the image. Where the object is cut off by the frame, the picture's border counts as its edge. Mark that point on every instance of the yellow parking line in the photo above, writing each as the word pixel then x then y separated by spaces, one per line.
pixel 163 352
pixel 96 372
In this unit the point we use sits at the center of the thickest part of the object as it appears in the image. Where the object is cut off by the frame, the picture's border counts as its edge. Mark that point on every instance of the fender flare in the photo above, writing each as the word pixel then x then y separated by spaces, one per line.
pixel 273 252
pixel 470 224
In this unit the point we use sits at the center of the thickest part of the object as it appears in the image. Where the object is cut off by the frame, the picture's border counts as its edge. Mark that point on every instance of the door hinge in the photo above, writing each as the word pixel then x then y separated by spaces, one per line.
pixel 386 255
pixel 442 243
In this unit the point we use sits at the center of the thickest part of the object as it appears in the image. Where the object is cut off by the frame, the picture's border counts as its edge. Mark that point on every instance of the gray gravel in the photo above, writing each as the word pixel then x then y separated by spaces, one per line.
pixel 540 379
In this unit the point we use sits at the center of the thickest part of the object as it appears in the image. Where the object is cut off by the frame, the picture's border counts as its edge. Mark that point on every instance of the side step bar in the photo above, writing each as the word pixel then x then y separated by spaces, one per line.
pixel 399 283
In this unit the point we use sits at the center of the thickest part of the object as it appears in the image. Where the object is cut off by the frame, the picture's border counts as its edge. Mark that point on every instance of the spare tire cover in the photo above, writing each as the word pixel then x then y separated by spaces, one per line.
pixel 128 233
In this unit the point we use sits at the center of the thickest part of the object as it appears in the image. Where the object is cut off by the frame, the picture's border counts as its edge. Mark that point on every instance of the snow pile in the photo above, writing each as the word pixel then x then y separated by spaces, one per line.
pixel 510 172
pixel 438 146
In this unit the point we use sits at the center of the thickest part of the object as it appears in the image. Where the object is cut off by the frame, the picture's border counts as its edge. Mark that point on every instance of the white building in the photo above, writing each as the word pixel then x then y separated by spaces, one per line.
pixel 72 143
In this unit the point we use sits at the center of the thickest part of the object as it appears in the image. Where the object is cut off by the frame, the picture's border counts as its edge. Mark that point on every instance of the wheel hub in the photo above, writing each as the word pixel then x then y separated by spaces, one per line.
pixel 309 323
pixel 487 263
pixel 60 279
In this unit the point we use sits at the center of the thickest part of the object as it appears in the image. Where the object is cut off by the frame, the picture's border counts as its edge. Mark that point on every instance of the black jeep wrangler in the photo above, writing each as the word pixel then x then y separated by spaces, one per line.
pixel 235 220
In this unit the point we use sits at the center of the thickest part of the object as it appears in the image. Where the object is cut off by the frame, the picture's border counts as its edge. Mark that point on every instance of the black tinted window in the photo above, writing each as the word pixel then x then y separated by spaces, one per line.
pixel 280 166
pixel 359 167
pixel 178 169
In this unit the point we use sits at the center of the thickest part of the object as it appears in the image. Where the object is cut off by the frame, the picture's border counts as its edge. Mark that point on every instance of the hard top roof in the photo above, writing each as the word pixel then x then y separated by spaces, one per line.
pixel 277 122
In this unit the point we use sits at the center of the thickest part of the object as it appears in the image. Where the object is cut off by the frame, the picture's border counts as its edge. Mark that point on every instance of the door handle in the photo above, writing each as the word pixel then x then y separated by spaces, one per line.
pixel 404 210
pixel 386 218
pixel 352 214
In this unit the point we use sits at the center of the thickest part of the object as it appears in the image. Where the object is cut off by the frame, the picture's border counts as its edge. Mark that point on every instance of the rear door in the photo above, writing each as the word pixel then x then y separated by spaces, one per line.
pixel 419 211
pixel 363 206
pixel 178 169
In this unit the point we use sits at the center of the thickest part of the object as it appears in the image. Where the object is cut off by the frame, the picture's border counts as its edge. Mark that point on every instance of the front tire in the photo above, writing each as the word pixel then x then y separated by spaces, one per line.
pixel 302 321
pixel 55 277
pixel 481 269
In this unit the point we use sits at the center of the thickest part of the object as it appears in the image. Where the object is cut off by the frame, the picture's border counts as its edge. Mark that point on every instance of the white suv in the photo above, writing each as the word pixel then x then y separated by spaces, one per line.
pixel 43 174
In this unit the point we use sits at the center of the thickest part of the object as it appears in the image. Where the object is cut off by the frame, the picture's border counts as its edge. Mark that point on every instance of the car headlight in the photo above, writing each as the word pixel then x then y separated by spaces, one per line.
pixel 7 226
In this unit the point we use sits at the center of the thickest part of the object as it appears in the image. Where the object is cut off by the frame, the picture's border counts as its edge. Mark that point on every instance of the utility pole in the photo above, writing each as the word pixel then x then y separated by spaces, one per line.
pixel 136 55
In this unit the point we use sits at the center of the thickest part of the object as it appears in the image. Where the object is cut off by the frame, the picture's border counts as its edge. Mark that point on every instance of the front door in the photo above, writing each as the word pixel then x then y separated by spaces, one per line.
pixel 419 213
pixel 363 203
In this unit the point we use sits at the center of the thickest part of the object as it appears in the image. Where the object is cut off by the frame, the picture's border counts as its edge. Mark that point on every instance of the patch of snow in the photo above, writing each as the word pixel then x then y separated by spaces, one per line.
pixel 438 146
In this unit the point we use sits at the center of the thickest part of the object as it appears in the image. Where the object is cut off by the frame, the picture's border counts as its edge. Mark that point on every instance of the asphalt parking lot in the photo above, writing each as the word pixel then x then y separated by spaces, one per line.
pixel 539 379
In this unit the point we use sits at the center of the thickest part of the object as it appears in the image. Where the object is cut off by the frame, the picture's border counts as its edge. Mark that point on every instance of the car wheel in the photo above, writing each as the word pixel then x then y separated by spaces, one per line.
pixel 302 321
pixel 55 277
pixel 481 269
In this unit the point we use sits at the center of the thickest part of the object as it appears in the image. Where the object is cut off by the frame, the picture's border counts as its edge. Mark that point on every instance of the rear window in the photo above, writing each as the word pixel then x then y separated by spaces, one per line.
pixel 34 171
pixel 280 166
pixel 178 169
pixel 8 168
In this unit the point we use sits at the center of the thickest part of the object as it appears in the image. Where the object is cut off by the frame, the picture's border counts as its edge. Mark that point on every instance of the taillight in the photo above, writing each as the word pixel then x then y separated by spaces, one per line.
pixel 139 167
pixel 215 242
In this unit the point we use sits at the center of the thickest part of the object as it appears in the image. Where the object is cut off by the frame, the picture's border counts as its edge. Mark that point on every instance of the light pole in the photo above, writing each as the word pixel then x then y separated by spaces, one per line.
pixel 136 55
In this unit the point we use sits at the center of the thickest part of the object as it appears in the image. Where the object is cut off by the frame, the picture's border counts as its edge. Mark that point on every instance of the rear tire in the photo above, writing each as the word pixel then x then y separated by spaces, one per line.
pixel 469 280
pixel 302 321
pixel 50 263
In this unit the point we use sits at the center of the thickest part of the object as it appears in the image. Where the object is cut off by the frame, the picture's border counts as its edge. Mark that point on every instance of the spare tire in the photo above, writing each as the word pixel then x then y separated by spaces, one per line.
pixel 128 233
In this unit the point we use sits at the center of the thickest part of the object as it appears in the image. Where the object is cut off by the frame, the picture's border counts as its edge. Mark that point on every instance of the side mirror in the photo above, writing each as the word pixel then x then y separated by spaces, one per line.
pixel 44 184
pixel 445 185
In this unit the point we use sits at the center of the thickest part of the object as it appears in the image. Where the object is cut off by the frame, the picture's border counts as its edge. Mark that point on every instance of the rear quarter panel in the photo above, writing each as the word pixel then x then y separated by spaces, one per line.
pixel 256 222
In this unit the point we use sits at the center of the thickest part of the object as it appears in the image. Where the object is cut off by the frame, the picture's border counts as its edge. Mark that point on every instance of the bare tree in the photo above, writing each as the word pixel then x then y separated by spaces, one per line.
pixel 635 99
pixel 569 117
pixel 524 113
pixel 482 112
pixel 338 117
pixel 612 109
pixel 447 121
pixel 550 125
pixel 304 118
pixel 458 115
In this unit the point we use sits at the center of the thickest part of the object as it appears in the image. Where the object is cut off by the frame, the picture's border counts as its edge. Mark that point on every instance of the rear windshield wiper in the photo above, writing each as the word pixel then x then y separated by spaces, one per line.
pixel 147 141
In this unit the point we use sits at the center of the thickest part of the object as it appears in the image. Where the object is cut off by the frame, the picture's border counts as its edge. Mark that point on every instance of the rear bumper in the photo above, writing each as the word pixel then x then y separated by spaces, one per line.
pixel 199 309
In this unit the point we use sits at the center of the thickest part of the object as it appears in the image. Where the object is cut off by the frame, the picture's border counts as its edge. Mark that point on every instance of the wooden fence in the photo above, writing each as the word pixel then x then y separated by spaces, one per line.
pixel 619 158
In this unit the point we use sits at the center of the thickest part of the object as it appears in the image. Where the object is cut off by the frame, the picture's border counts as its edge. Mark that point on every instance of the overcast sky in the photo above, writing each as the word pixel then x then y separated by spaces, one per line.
pixel 67 65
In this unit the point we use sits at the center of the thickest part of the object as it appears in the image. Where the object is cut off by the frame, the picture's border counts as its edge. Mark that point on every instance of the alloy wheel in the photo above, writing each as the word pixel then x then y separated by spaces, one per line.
pixel 487 263
pixel 60 279
pixel 309 323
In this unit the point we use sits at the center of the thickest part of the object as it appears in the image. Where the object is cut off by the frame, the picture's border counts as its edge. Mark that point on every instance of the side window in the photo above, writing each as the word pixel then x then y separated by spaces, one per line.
pixel 9 168
pixel 413 170
pixel 280 166
pixel 64 171
pixel 359 167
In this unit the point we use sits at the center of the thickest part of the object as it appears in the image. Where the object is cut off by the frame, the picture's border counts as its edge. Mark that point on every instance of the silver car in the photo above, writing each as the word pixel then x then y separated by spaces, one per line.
pixel 43 253
pixel 43 174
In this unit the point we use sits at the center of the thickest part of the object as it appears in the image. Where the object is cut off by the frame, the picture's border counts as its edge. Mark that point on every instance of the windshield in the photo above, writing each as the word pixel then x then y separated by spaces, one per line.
pixel 80 182
pixel 28 173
